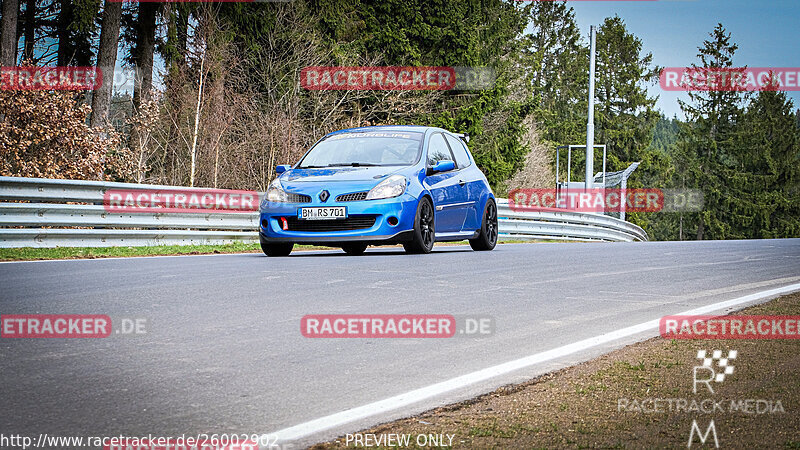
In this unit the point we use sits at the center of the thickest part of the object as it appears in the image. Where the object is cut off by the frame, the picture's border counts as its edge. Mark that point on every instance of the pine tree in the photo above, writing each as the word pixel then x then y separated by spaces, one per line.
pixel 76 31
pixel 556 62
pixel 624 112
pixel 765 198
pixel 706 150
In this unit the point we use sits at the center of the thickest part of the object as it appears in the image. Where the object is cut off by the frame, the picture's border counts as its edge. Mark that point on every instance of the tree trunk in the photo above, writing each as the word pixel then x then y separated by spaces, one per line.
pixel 65 50
pixel 8 47
pixel 106 61
pixel 196 122
pixel 700 230
pixel 183 31
pixel 30 30
pixel 145 46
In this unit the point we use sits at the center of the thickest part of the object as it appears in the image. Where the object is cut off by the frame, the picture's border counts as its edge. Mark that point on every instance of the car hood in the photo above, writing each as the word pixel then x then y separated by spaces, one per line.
pixel 334 174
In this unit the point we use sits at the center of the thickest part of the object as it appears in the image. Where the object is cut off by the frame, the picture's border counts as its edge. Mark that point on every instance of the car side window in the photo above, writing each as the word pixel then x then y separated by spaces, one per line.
pixel 438 150
pixel 459 151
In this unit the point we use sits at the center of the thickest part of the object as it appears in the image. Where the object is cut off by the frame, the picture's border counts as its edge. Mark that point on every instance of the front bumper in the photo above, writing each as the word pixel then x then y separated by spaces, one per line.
pixel 403 209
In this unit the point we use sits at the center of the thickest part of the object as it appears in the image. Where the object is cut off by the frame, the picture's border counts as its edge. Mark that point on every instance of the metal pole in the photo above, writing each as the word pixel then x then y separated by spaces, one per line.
pixel 623 196
pixel 604 166
pixel 558 188
pixel 590 121
pixel 558 151
pixel 569 165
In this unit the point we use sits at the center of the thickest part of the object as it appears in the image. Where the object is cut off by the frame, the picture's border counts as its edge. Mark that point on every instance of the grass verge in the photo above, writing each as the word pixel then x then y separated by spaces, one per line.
pixel 578 407
pixel 30 253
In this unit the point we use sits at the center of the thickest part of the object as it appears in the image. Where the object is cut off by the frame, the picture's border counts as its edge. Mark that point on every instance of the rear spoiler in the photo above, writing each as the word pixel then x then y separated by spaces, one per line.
pixel 463 136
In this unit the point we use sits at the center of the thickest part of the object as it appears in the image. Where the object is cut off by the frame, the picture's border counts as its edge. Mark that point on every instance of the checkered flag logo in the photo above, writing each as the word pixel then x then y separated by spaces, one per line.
pixel 724 364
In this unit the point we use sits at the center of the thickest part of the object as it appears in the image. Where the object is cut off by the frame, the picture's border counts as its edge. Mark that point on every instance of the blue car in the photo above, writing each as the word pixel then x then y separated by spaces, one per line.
pixel 411 185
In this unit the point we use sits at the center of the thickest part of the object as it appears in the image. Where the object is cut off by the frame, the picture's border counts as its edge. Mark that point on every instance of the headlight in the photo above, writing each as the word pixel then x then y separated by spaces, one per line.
pixel 394 186
pixel 275 193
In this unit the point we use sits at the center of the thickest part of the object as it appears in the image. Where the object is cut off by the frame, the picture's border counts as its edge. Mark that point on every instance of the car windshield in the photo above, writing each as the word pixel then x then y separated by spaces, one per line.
pixel 361 149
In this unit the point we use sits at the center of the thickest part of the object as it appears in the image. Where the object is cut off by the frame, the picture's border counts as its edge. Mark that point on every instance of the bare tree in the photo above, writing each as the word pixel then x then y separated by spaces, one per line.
pixel 227 119
pixel 197 119
pixel 8 47
pixel 106 60
pixel 145 46
pixel 29 27
pixel 538 170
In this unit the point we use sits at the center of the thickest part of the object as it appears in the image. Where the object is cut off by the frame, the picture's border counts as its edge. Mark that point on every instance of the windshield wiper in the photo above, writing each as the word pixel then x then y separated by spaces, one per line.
pixel 355 164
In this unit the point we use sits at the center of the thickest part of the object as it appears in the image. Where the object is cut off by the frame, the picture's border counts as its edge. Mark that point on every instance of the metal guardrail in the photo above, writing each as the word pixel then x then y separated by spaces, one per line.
pixel 566 225
pixel 37 212
pixel 47 220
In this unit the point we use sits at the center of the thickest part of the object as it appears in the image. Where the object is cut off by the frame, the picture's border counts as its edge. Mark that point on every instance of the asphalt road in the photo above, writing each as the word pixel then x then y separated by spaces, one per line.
pixel 223 352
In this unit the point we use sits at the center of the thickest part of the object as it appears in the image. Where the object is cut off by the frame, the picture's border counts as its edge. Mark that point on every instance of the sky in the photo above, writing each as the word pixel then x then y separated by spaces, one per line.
pixel 766 31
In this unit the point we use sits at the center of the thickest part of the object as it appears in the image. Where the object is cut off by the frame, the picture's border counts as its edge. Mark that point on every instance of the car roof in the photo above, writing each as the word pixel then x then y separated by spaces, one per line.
pixel 417 128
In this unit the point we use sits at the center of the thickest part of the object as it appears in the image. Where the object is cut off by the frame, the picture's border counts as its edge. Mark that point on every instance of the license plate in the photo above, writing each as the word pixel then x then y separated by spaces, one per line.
pixel 323 213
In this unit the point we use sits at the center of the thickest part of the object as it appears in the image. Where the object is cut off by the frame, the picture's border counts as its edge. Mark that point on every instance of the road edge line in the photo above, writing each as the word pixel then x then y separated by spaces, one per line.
pixel 334 420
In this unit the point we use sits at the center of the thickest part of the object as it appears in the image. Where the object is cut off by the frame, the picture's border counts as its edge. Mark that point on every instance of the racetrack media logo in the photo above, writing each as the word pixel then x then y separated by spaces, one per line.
pixel 705 405
pixel 724 368
pixel 718 376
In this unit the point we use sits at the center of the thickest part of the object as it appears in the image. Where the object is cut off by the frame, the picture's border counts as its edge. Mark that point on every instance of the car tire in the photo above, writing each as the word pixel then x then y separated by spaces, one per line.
pixel 276 249
pixel 488 234
pixel 354 249
pixel 424 233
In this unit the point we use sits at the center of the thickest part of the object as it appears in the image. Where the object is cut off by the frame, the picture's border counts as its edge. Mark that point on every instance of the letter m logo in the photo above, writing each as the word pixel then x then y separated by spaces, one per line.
pixel 711 429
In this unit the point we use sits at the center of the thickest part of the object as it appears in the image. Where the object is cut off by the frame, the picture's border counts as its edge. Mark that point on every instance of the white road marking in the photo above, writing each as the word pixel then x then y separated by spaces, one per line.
pixel 398 401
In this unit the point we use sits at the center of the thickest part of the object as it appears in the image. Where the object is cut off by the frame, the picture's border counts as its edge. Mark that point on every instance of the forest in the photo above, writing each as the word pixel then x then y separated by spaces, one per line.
pixel 209 94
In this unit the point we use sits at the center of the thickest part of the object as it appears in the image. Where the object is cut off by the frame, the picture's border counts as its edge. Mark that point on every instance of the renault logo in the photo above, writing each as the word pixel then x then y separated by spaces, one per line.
pixel 324 196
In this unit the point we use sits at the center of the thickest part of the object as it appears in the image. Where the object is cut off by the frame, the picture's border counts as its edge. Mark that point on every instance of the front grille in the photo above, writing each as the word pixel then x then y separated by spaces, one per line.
pixel 351 223
pixel 291 197
pixel 354 197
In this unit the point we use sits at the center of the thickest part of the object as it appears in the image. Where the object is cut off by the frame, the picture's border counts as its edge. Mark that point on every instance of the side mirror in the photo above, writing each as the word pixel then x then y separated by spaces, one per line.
pixel 444 165
pixel 282 168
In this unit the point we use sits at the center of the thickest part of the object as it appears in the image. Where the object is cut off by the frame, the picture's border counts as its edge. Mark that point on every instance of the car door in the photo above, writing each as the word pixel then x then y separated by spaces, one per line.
pixel 448 191
pixel 471 180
